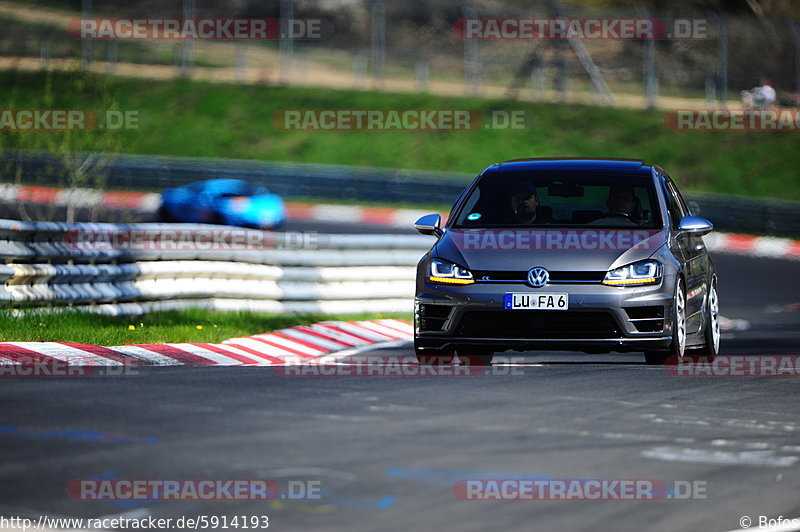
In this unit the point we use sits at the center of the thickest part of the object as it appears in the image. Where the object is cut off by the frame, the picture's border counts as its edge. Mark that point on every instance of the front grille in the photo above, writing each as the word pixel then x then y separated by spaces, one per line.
pixel 567 277
pixel 538 324
pixel 646 319
pixel 515 276
pixel 432 317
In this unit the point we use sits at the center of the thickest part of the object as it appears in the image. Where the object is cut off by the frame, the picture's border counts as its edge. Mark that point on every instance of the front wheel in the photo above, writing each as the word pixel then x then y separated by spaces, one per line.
pixel 711 334
pixel 677 348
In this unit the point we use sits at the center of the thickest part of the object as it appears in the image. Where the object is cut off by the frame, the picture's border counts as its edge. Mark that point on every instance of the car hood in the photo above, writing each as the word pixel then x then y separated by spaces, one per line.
pixel 557 249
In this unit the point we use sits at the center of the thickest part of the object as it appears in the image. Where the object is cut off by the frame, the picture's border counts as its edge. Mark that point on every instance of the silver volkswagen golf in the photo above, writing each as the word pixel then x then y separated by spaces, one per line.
pixel 592 255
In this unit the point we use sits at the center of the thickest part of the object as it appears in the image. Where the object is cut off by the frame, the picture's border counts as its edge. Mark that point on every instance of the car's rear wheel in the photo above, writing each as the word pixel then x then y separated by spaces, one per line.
pixel 711 334
pixel 433 357
pixel 677 348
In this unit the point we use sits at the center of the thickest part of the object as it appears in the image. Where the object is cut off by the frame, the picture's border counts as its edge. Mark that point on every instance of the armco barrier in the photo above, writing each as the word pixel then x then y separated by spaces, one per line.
pixel 137 172
pixel 48 264
pixel 148 172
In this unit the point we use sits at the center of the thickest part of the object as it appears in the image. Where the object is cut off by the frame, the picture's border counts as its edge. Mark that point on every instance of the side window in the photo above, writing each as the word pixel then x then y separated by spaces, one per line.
pixel 674 206
pixel 678 197
pixel 457 202
pixel 469 205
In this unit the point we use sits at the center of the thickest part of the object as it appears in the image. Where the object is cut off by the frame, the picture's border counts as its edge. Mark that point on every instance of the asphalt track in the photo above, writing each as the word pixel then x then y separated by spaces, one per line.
pixel 387 451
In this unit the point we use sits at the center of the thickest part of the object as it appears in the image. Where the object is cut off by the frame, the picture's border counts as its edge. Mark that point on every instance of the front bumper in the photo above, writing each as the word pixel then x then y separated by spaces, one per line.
pixel 600 318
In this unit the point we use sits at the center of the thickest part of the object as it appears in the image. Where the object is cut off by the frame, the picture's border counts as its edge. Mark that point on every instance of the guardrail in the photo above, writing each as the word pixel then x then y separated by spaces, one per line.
pixel 146 172
pixel 126 269
pixel 136 268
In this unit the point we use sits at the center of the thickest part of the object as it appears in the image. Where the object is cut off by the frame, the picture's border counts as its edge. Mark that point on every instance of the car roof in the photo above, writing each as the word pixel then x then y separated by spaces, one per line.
pixel 566 164
pixel 221 181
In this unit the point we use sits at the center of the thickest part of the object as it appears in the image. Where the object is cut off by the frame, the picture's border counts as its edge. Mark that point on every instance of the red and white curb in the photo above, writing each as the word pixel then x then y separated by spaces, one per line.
pixel 148 202
pixel 81 197
pixel 305 344
pixel 755 246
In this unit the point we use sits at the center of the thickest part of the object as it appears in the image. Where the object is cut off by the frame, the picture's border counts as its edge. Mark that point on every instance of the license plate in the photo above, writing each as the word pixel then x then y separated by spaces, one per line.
pixel 539 301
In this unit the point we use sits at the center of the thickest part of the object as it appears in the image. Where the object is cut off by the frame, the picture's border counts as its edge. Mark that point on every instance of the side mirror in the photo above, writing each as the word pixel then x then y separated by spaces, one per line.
pixel 430 224
pixel 695 225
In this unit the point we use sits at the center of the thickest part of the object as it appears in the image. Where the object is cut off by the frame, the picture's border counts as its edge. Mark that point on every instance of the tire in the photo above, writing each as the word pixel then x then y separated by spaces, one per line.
pixel 433 357
pixel 163 215
pixel 711 332
pixel 677 349
pixel 217 219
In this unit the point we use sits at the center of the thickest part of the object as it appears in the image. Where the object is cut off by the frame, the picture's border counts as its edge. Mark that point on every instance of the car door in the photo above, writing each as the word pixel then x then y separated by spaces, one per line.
pixel 695 257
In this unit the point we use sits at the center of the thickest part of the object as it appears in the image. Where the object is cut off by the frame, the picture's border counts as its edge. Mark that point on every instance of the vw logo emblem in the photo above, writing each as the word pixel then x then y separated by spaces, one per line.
pixel 538 277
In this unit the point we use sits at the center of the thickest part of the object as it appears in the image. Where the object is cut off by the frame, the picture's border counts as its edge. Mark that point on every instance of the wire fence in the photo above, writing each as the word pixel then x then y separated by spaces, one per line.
pixel 419 46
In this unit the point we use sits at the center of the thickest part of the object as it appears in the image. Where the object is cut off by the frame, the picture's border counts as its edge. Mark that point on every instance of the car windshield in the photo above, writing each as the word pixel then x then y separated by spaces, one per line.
pixel 236 189
pixel 528 199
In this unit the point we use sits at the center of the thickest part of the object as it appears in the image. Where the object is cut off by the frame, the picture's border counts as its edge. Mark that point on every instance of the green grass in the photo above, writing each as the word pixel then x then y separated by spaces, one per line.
pixel 158 327
pixel 189 118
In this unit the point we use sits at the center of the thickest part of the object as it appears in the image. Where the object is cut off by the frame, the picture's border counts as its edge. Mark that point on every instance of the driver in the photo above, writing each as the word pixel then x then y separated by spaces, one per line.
pixel 621 204
pixel 525 205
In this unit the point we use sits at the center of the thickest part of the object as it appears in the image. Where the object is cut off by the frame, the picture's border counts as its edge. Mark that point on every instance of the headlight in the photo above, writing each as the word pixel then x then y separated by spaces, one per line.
pixel 638 273
pixel 441 271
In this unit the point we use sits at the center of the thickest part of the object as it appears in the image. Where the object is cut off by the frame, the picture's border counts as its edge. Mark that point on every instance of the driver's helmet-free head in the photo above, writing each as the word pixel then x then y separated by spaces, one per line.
pixel 523 190
pixel 622 198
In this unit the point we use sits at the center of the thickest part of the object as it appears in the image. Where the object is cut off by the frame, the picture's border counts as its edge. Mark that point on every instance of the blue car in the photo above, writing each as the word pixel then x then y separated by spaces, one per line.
pixel 223 201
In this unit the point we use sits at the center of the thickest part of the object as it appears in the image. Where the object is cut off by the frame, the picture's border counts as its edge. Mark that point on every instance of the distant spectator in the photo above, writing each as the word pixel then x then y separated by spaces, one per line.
pixel 764 96
pixel 761 97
